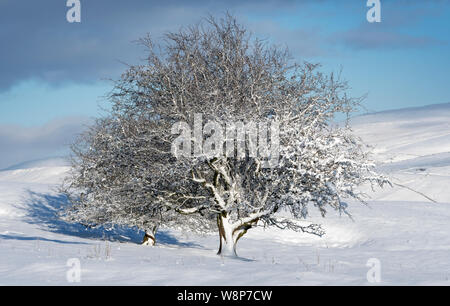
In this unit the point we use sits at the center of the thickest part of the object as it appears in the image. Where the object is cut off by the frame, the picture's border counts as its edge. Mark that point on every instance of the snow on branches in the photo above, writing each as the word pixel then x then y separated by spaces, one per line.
pixel 125 170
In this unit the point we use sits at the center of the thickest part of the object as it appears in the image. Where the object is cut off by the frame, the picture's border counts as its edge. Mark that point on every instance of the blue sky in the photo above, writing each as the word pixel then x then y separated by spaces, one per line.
pixel 52 70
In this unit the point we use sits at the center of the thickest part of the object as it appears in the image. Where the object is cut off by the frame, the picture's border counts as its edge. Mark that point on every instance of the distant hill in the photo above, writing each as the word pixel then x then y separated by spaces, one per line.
pixel 412 145
pixel 406 133
pixel 421 112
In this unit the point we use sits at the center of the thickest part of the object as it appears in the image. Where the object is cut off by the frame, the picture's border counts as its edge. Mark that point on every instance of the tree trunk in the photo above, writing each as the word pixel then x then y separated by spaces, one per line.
pixel 227 237
pixel 150 237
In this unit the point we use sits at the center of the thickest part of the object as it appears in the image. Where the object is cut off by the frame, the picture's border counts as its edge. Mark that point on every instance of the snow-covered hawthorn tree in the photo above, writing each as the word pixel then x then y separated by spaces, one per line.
pixel 229 87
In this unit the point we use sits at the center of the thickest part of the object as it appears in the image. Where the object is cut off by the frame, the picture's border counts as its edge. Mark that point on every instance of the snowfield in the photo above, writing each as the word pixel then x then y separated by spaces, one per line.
pixel 408 234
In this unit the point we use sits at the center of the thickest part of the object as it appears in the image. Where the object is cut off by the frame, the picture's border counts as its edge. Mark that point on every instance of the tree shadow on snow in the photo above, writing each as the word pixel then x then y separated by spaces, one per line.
pixel 237 258
pixel 43 210
pixel 35 238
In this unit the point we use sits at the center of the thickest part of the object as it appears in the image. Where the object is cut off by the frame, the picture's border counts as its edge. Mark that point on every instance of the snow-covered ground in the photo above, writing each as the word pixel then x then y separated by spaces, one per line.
pixel 407 233
pixel 413 147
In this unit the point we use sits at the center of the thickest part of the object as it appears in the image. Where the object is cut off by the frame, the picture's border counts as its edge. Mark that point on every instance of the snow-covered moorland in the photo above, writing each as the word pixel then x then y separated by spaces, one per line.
pixel 402 229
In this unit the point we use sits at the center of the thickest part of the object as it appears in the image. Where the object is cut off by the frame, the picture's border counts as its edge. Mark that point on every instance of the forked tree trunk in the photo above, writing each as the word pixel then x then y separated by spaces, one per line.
pixel 150 236
pixel 229 236
pixel 227 245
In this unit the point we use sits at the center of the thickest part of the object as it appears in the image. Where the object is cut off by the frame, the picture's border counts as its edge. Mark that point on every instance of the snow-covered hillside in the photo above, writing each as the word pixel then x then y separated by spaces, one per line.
pixel 406 134
pixel 408 234
pixel 413 146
